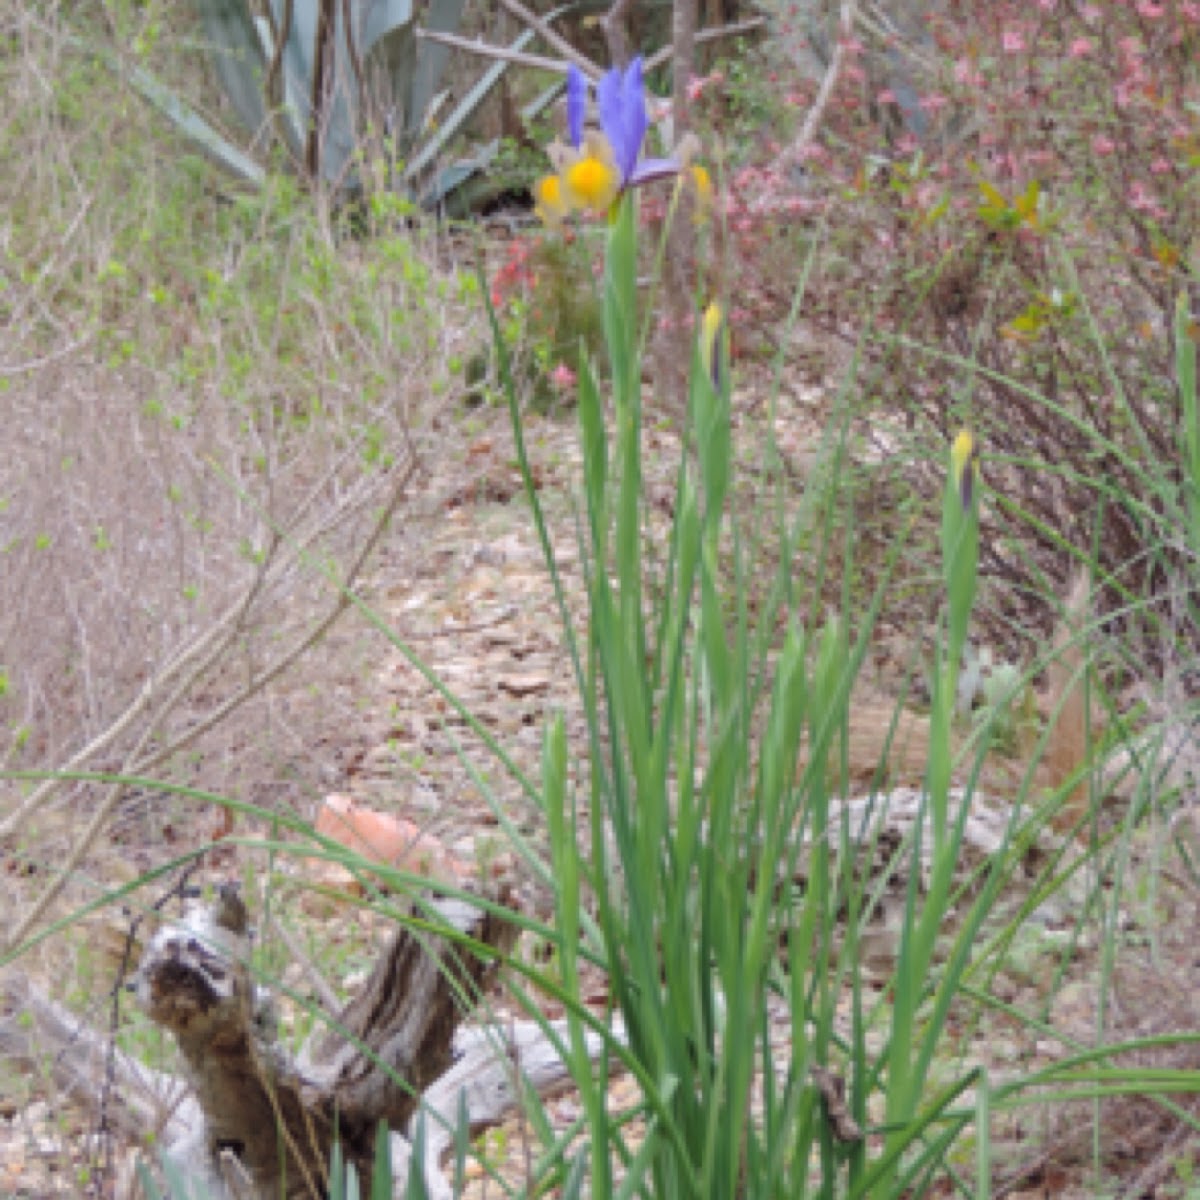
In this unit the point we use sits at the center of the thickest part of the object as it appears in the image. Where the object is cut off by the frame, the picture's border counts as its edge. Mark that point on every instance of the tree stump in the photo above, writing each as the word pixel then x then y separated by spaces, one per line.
pixel 269 1120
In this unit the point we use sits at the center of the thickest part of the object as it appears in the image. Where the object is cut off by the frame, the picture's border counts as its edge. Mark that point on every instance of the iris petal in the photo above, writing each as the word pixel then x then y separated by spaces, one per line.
pixel 650 169
pixel 608 101
pixel 549 202
pixel 576 104
pixel 633 114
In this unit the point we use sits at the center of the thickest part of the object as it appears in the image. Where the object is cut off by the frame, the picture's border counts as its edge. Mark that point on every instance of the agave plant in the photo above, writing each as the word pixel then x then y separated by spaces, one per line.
pixel 313 72
pixel 313 75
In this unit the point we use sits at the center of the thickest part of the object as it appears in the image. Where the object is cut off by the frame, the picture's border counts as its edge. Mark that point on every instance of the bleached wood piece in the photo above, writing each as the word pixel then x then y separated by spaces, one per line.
pixel 272 1119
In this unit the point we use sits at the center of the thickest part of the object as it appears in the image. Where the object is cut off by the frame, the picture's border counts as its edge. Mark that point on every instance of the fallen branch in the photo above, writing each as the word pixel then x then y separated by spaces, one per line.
pixel 39 1035
pixel 251 1120
pixel 523 58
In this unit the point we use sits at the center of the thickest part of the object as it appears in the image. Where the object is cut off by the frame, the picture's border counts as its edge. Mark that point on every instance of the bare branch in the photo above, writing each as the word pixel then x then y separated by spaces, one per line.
pixel 500 53
pixel 703 36
pixel 138 764
pixel 812 122
pixel 555 40
pixel 615 33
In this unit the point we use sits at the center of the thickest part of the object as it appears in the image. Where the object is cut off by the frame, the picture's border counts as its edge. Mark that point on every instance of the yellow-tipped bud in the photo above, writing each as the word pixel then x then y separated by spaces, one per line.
pixel 702 184
pixel 964 464
pixel 710 344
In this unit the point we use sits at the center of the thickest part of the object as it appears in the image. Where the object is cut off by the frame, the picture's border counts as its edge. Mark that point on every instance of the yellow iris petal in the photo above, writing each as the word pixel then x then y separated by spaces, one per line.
pixel 590 183
pixel 590 179
pixel 548 200
pixel 964 463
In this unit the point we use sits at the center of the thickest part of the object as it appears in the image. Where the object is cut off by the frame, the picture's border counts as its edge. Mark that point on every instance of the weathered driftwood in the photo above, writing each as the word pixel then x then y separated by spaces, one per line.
pixel 40 1036
pixel 245 1103
pixel 493 1066
pixel 268 1120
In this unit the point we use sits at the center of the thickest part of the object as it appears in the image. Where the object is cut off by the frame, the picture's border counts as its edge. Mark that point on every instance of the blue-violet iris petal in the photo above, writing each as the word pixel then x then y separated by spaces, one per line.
pixel 576 104
pixel 633 119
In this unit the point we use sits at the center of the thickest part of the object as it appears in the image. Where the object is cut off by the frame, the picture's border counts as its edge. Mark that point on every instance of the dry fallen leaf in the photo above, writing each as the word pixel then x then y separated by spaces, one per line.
pixel 523 685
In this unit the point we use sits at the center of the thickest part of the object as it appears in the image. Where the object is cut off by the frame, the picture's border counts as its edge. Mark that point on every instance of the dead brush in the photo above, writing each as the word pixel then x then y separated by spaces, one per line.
pixel 212 412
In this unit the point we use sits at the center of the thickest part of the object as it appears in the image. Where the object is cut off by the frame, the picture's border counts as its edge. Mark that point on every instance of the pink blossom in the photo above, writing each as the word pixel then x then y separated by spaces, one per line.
pixel 1142 199
pixel 1013 41
pixel 563 378
pixel 1150 11
pixel 934 101
pixel 1091 14
pixel 1191 11
pixel 926 195
pixel 1160 166
pixel 1103 145
pixel 966 73
pixel 1080 48
pixel 887 96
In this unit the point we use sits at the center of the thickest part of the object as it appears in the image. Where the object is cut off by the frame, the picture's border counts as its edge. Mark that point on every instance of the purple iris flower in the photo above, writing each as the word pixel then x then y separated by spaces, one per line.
pixel 621 99
pixel 622 105
pixel 576 104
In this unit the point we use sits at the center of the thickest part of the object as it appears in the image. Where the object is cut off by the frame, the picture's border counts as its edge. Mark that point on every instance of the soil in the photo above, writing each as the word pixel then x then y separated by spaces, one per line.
pixel 462 581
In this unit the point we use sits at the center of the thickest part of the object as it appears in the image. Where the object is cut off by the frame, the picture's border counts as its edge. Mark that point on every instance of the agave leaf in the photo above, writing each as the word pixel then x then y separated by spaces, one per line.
pixel 381 36
pixel 381 20
pixel 389 52
pixel 462 112
pixel 373 68
pixel 194 127
pixel 292 102
pixel 236 53
pixel 444 16
pixel 332 114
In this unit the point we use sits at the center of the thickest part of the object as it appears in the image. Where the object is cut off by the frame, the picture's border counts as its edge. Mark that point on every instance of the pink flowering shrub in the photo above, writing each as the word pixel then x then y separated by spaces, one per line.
pixel 544 292
pixel 1037 202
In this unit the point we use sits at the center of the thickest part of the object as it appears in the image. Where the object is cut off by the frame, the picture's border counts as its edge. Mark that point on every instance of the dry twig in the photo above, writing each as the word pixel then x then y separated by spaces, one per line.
pixel 812 122
pixel 209 647
pixel 551 38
